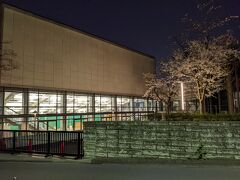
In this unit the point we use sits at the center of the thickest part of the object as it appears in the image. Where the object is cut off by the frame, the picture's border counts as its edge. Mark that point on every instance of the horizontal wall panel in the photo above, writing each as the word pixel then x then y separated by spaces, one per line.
pixel 54 56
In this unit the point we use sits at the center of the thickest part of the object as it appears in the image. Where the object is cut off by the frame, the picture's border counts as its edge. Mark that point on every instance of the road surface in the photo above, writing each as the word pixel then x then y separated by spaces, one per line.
pixel 80 171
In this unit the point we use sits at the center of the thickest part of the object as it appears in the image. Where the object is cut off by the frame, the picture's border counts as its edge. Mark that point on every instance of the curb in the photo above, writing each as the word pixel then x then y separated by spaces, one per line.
pixel 217 162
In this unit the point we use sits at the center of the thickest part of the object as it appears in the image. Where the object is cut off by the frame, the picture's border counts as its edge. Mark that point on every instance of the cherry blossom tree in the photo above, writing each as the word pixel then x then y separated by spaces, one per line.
pixel 202 67
pixel 205 64
pixel 162 89
pixel 210 26
pixel 229 42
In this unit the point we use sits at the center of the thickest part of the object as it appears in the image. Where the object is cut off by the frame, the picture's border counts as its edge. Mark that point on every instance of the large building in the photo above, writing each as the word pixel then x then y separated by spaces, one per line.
pixel 62 76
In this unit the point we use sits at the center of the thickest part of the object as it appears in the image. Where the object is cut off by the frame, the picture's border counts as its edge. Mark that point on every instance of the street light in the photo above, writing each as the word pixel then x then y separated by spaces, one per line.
pixel 182 97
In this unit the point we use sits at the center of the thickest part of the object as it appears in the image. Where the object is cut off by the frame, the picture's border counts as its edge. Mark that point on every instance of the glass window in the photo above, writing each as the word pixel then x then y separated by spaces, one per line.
pixel 14 124
pixel 13 103
pixel 82 103
pixel 89 103
pixel 140 104
pixel 104 103
pixel 176 105
pixel 79 103
pixel 70 103
pixel 124 104
pixel 119 104
pixel 47 103
pixel 33 102
pixel 107 102
pixel 97 103
pixel 60 103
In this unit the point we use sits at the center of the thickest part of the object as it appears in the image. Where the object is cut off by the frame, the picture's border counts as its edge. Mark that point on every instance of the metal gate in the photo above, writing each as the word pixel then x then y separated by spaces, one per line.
pixel 63 143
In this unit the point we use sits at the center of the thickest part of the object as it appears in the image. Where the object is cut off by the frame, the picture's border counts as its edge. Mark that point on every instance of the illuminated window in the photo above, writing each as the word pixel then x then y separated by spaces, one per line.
pixel 13 103
pixel 119 104
pixel 60 103
pixel 70 103
pixel 104 103
pixel 82 103
pixel 47 103
pixel 14 124
pixel 79 103
pixel 33 102
pixel 140 104
pixel 126 104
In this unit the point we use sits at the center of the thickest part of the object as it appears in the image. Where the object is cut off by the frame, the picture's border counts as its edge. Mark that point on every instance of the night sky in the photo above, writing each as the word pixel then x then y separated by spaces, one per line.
pixel 144 25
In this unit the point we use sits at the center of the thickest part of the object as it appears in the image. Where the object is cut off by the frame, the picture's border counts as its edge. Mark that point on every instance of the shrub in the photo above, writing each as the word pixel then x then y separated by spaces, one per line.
pixel 195 117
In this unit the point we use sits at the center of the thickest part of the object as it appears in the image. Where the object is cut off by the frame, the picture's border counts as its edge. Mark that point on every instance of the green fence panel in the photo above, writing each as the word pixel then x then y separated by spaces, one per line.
pixel 97 117
pixel 14 127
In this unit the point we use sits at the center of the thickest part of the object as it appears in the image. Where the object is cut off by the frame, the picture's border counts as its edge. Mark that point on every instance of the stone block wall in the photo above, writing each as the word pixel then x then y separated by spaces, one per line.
pixel 163 140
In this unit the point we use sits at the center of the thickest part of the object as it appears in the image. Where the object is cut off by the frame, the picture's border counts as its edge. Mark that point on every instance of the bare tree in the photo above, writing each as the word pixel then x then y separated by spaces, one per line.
pixel 162 89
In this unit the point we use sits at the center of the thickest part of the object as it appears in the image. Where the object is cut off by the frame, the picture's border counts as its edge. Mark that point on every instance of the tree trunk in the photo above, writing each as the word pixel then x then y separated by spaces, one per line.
pixel 201 106
pixel 219 102
pixel 167 108
pixel 204 105
pixel 230 94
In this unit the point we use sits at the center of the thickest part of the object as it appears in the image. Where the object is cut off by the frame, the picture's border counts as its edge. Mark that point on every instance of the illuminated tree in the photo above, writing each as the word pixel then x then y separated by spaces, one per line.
pixel 162 89
pixel 210 26
pixel 230 43
pixel 202 67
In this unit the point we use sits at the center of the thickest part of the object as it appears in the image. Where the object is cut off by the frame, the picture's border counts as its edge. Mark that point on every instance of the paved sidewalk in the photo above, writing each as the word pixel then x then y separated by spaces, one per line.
pixel 6 157
pixel 24 157
pixel 38 167
pixel 77 171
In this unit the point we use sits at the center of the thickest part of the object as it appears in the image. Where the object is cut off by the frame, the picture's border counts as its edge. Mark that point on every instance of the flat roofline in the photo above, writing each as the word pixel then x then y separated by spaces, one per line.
pixel 33 14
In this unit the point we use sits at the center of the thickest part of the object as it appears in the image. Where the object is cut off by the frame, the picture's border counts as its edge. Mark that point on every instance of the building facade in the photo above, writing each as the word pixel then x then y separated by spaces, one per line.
pixel 63 76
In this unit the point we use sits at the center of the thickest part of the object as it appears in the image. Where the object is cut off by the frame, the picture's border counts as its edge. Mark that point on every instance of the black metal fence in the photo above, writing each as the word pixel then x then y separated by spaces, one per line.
pixel 63 143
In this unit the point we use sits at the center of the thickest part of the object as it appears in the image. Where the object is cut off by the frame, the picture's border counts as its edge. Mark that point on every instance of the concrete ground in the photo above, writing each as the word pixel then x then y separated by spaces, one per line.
pixel 6 157
pixel 39 168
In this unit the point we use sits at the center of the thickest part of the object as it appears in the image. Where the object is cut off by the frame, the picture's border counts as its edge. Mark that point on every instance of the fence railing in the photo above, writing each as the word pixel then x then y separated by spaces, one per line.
pixel 63 143
pixel 65 121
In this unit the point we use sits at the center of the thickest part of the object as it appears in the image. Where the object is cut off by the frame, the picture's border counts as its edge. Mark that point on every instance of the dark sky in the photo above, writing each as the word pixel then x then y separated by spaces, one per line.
pixel 144 25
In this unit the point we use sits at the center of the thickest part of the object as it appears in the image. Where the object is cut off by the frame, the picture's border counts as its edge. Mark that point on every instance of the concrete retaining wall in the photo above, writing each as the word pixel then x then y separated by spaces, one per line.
pixel 163 140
